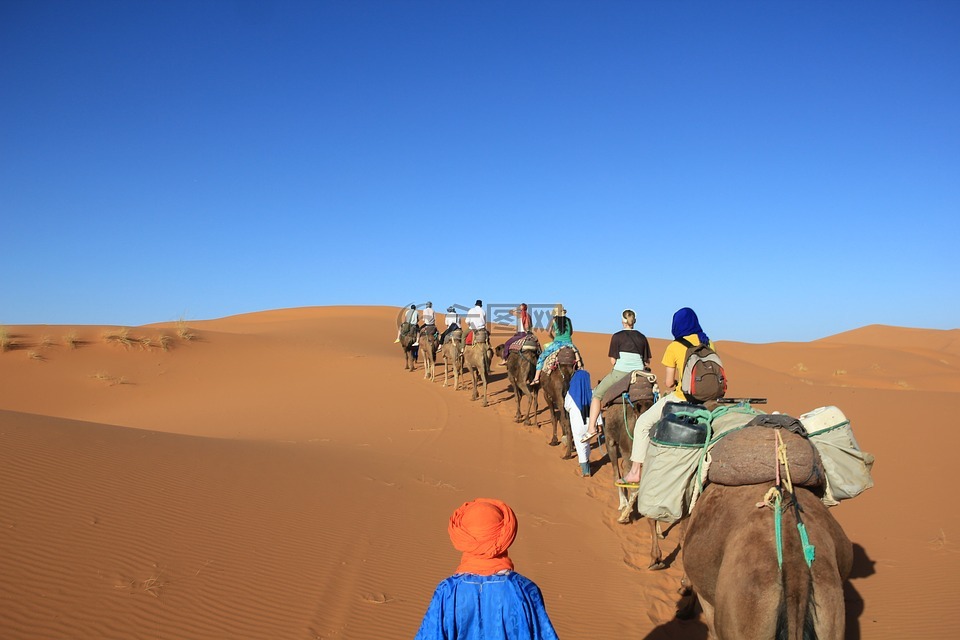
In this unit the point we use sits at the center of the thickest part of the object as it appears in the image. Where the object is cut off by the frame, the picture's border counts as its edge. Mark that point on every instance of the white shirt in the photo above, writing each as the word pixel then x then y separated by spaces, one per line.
pixel 476 318
pixel 429 316
pixel 451 318
pixel 411 316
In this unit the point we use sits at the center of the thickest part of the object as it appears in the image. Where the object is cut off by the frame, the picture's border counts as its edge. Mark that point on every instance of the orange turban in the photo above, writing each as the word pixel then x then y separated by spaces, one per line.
pixel 483 530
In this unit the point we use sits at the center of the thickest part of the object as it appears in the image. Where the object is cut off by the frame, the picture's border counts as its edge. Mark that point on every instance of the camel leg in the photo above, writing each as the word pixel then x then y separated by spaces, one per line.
pixel 626 512
pixel 516 396
pixel 483 377
pixel 656 555
pixel 531 406
pixel 567 436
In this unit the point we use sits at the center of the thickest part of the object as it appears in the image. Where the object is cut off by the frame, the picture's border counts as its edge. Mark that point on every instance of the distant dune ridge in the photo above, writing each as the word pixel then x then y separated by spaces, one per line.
pixel 279 475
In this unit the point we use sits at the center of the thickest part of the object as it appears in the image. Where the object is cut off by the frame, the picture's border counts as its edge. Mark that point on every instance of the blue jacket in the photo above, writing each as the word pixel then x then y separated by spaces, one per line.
pixel 498 607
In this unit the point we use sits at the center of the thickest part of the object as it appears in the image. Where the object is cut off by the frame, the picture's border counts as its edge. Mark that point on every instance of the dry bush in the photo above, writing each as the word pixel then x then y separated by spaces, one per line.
pixel 72 340
pixel 6 342
pixel 108 379
pixel 164 342
pixel 46 342
pixel 35 355
pixel 183 331
pixel 120 336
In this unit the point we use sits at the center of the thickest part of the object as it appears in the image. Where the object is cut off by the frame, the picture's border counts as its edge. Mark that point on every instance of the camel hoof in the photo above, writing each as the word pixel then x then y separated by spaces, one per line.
pixel 657 566
pixel 625 516
pixel 554 442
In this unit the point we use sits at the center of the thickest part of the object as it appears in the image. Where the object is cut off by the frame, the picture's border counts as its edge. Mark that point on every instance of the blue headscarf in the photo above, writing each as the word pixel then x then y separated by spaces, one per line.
pixel 580 390
pixel 685 322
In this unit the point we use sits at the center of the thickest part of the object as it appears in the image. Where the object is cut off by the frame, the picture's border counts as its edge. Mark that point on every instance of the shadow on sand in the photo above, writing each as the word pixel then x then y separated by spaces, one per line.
pixel 863 567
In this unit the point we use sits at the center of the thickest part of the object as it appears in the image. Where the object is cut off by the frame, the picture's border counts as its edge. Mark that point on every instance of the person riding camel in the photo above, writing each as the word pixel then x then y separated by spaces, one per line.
pixel 476 320
pixel 524 327
pixel 561 334
pixel 429 319
pixel 452 322
pixel 685 326
pixel 629 352
pixel 409 318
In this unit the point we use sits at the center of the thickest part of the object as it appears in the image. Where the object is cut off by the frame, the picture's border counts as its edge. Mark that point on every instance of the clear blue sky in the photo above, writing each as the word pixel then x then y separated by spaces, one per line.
pixel 790 170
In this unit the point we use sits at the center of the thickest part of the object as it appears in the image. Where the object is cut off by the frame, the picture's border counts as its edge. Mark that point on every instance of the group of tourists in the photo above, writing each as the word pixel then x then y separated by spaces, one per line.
pixel 486 598
pixel 425 321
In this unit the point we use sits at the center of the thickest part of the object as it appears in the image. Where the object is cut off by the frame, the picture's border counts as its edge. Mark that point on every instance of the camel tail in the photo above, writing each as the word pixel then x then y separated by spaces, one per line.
pixel 809 631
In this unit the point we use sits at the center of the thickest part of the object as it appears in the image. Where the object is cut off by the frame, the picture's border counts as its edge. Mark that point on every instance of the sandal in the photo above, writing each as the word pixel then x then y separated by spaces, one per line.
pixel 587 437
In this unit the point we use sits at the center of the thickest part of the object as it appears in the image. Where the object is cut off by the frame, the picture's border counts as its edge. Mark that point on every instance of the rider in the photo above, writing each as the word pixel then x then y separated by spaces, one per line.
pixel 685 325
pixel 629 351
pixel 452 322
pixel 561 332
pixel 409 317
pixel 524 326
pixel 429 318
pixel 476 320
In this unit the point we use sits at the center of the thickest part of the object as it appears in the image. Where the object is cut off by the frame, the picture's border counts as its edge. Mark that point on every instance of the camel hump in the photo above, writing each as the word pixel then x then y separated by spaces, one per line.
pixel 567 356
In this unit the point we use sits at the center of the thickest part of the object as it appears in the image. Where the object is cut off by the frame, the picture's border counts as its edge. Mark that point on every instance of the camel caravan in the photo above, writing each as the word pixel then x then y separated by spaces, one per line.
pixel 763 557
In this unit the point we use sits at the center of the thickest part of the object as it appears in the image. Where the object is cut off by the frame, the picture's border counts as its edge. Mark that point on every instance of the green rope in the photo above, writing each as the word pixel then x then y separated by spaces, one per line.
pixel 809 551
pixel 778 516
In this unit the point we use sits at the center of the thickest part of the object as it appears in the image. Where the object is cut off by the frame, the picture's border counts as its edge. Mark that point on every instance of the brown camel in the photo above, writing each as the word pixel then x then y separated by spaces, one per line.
pixel 452 350
pixel 618 424
pixel 521 366
pixel 730 557
pixel 429 340
pixel 408 335
pixel 555 385
pixel 476 360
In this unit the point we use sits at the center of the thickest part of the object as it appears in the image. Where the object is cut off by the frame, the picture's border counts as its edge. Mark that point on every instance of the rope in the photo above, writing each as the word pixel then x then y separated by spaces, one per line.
pixel 774 499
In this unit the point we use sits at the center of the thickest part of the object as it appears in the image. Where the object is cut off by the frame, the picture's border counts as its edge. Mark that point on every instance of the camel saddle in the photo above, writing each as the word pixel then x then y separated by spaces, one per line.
pixel 407 328
pixel 638 387
pixel 562 356
pixel 478 336
pixel 528 343
pixel 456 334
pixel 429 329
pixel 747 455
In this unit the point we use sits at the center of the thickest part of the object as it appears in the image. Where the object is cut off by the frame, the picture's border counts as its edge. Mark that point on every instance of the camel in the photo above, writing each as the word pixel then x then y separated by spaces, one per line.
pixel 618 424
pixel 521 366
pixel 429 340
pixel 730 557
pixel 476 359
pixel 555 385
pixel 452 350
pixel 408 336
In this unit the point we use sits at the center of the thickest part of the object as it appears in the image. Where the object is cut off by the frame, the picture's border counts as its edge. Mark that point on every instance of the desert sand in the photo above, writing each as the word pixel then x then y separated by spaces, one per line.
pixel 279 475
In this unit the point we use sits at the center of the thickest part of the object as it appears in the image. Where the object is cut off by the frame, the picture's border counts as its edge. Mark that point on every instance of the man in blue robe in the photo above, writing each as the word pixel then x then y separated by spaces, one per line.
pixel 485 599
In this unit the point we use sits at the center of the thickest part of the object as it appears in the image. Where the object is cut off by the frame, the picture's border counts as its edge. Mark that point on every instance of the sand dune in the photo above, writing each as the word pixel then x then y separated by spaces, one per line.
pixel 281 476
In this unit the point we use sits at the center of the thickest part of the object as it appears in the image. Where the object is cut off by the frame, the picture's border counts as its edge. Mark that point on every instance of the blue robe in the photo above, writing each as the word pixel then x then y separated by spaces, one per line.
pixel 498 607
